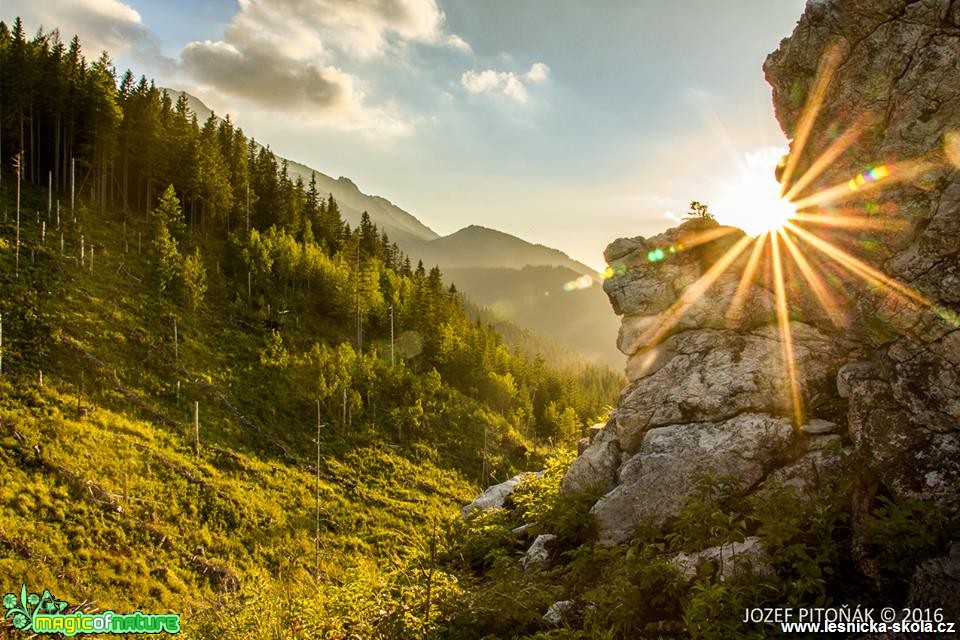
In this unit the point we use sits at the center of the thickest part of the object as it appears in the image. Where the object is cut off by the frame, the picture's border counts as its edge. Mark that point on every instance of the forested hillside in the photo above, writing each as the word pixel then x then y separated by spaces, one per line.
pixel 217 396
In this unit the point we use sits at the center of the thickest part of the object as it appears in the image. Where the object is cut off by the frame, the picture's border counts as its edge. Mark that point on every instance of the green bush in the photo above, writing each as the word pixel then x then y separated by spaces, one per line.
pixel 482 539
pixel 715 513
pixel 899 535
pixel 638 586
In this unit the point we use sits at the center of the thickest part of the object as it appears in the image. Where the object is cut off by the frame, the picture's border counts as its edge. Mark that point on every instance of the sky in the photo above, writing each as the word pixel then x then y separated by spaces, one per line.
pixel 565 122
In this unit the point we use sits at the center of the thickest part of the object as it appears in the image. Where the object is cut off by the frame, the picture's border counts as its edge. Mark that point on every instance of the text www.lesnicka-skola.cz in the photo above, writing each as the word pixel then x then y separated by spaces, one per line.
pixel 847 619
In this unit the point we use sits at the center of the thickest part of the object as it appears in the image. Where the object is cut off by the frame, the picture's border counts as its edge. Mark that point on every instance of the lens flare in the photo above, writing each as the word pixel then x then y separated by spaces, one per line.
pixel 583 282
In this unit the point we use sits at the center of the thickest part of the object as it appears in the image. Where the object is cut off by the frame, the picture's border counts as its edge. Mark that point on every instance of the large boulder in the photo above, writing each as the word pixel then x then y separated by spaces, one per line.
pixel 596 466
pixel 714 374
pixel 655 481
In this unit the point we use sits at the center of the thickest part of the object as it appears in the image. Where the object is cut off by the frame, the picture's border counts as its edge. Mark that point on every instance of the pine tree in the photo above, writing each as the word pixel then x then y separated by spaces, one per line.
pixel 168 217
pixel 194 279
pixel 169 262
pixel 169 214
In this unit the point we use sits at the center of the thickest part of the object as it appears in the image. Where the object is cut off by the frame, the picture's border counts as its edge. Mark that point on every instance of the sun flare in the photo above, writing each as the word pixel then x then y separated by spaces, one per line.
pixel 754 201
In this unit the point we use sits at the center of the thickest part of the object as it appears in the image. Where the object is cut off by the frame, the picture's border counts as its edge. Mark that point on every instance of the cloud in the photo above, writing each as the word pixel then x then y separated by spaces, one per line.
pixel 303 29
pixel 321 94
pixel 506 83
pixel 538 73
pixel 456 42
pixel 102 25
pixel 283 55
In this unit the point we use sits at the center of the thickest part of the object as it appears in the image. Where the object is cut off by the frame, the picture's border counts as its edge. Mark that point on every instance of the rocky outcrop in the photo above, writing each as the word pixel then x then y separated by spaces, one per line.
pixel 898 64
pixel 877 376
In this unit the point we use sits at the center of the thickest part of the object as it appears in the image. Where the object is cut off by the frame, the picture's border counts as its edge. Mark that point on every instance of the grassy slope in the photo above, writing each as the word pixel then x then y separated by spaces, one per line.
pixel 108 421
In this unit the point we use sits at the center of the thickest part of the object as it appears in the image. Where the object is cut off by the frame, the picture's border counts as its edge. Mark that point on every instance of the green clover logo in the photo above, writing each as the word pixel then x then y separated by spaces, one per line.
pixel 24 609
pixel 20 621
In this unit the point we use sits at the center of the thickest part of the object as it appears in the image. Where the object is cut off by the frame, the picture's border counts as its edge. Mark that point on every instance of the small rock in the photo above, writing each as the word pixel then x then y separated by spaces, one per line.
pixel 559 612
pixel 523 529
pixel 821 465
pixel 665 628
pixel 737 558
pixel 495 496
pixel 818 427
pixel 538 554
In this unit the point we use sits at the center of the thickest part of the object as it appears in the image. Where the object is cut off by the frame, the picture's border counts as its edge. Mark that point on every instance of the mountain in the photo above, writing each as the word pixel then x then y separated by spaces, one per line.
pixel 477 246
pixel 542 297
pixel 194 418
pixel 521 282
pixel 402 227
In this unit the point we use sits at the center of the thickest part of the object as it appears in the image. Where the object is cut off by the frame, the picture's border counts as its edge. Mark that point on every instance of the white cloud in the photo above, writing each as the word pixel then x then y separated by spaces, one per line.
pixel 108 25
pixel 479 82
pixel 506 83
pixel 283 55
pixel 456 42
pixel 319 94
pixel 539 72
pixel 304 29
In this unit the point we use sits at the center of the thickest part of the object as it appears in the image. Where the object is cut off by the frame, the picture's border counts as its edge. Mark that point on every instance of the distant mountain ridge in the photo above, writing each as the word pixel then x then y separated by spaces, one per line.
pixel 472 246
pixel 402 227
pixel 478 246
pixel 519 281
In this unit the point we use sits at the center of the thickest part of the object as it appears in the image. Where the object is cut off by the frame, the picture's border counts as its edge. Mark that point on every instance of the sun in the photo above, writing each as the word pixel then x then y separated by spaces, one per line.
pixel 753 200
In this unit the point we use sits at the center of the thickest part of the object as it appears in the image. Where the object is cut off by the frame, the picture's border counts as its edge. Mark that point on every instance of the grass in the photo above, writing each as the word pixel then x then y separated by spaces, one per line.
pixel 106 502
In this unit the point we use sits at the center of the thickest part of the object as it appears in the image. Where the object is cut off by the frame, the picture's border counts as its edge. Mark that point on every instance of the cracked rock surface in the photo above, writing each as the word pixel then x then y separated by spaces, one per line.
pixel 880 382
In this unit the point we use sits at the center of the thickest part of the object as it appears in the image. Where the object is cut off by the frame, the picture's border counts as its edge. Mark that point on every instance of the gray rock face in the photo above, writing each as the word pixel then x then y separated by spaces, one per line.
pixel 711 374
pixel 899 60
pixel 654 482
pixel 596 466
pixel 731 560
pixel 822 464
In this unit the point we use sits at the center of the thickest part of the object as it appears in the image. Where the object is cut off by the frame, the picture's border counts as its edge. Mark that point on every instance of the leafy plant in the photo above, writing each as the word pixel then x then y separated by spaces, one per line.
pixel 900 534
pixel 713 514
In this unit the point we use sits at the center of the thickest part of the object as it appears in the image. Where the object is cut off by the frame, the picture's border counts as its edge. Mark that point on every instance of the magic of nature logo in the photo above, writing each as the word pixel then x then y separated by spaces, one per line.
pixel 43 613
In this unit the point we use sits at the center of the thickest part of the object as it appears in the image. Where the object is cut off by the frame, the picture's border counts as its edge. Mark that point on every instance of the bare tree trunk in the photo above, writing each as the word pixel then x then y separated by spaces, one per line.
pixel 317 493
pixel 16 164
